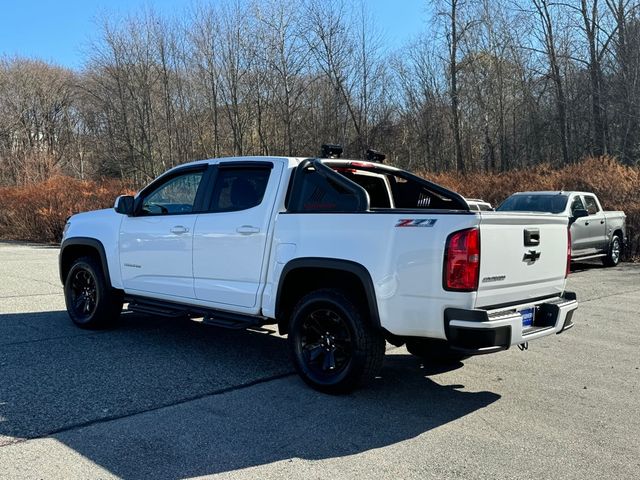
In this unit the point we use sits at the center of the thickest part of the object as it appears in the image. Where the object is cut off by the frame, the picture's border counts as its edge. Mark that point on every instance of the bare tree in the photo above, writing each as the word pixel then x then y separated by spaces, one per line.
pixel 547 29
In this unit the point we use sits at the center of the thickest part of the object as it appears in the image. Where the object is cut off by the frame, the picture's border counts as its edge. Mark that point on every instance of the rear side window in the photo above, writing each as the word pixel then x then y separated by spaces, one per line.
pixel 317 188
pixel 239 188
pixel 592 206
pixel 411 194
pixel 374 185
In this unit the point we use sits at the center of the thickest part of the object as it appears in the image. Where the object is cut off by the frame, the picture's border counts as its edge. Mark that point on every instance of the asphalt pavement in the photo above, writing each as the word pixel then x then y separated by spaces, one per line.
pixel 168 399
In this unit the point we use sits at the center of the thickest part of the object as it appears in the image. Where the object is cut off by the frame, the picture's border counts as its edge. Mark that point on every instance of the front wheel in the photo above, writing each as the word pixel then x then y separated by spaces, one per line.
pixel 613 255
pixel 90 302
pixel 333 346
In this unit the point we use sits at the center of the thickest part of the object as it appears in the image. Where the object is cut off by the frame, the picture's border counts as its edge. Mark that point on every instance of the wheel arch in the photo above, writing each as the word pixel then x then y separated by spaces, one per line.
pixel 303 275
pixel 76 247
pixel 618 232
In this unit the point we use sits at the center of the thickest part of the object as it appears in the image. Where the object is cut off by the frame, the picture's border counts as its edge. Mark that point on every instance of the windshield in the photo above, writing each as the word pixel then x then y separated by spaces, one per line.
pixel 551 203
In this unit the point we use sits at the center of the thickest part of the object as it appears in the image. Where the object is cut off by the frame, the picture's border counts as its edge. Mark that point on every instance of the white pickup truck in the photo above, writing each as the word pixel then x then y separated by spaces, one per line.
pixel 341 255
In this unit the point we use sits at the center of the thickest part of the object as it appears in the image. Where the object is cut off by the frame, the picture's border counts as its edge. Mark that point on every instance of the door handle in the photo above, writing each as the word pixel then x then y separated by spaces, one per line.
pixel 247 230
pixel 179 229
pixel 601 222
pixel 586 223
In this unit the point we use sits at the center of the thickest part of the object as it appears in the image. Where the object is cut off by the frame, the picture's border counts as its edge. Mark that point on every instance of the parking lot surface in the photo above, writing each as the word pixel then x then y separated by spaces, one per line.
pixel 160 398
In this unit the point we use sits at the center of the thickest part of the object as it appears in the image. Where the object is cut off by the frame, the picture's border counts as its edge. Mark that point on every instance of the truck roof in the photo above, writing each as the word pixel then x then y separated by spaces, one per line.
pixel 554 192
pixel 292 161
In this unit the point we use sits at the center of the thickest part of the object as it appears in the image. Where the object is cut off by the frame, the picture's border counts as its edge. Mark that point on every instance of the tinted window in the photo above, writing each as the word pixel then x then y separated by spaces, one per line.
pixel 324 190
pixel 408 193
pixel 239 188
pixel 592 206
pixel 577 204
pixel 176 195
pixel 551 203
pixel 375 187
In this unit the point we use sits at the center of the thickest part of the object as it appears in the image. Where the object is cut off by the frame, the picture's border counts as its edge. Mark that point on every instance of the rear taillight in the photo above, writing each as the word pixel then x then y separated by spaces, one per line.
pixel 462 261
pixel 566 273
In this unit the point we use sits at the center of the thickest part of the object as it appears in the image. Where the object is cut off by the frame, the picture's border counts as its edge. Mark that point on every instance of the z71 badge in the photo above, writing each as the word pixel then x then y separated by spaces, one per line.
pixel 417 222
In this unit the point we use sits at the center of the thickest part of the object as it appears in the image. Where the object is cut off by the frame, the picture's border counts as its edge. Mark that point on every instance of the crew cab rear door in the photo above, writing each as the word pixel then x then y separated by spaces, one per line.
pixel 523 256
pixel 594 225
pixel 230 239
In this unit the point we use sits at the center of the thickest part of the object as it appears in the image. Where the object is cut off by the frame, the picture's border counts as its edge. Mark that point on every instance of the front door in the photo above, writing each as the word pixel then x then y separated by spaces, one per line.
pixel 156 243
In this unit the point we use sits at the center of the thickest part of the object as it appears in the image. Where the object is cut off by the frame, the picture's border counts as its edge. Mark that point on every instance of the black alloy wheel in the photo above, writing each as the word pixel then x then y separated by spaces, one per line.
pixel 91 302
pixel 333 345
pixel 84 294
pixel 326 342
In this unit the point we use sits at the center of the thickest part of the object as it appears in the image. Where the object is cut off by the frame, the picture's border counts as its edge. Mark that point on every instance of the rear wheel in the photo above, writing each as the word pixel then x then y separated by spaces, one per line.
pixel 613 255
pixel 333 346
pixel 91 303
pixel 434 351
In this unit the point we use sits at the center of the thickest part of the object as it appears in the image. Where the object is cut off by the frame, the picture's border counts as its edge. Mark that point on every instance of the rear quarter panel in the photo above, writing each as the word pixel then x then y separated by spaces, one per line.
pixel 405 262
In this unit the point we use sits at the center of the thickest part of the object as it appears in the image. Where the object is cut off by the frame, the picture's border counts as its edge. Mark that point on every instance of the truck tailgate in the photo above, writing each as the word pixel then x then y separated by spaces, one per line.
pixel 523 257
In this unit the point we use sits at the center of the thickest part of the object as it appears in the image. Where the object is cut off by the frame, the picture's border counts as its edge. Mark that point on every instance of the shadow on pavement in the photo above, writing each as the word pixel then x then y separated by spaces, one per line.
pixel 75 378
pixel 586 265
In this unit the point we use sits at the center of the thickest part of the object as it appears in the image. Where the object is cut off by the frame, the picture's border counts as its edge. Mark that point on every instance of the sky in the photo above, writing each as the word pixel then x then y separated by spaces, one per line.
pixel 58 31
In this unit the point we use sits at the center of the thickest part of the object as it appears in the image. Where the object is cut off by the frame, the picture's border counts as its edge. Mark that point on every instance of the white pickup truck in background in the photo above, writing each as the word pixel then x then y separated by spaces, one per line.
pixel 341 255
pixel 595 233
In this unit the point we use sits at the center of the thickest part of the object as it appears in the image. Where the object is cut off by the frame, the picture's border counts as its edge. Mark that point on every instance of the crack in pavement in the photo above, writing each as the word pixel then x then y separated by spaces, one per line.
pixel 38 280
pixel 25 342
pixel 29 295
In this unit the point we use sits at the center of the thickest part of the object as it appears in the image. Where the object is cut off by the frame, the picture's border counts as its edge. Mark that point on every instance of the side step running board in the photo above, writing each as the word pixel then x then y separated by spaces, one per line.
pixel 588 257
pixel 217 318
pixel 234 322
pixel 152 309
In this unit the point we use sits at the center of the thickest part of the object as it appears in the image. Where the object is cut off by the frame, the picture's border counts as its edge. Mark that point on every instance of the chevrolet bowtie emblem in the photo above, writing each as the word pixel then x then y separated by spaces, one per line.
pixel 531 256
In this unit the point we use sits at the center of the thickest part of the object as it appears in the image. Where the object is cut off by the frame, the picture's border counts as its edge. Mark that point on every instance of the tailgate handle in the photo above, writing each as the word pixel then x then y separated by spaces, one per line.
pixel 531 237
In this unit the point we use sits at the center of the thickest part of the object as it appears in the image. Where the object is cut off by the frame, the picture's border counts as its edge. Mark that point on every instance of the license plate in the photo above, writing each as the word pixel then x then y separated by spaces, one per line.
pixel 527 317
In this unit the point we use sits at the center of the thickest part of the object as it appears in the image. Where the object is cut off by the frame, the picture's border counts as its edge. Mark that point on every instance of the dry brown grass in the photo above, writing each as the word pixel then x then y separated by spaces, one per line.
pixel 38 212
pixel 617 186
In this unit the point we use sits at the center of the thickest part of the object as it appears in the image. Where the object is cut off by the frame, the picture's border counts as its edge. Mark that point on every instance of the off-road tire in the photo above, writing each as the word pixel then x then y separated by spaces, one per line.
pixel 333 344
pixel 91 302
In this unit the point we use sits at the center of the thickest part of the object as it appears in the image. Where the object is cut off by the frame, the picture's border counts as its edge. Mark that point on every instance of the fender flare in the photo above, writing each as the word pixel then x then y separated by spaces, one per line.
pixel 85 242
pixel 348 266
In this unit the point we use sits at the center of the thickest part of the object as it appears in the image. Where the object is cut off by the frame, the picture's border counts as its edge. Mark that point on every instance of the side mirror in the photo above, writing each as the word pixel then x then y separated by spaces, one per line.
pixel 124 205
pixel 579 213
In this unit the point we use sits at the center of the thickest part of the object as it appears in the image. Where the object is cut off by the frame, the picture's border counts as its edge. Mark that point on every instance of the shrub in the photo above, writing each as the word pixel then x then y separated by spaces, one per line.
pixel 616 185
pixel 38 212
